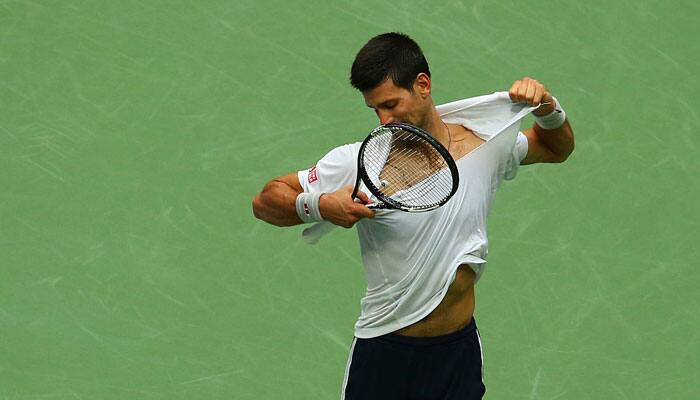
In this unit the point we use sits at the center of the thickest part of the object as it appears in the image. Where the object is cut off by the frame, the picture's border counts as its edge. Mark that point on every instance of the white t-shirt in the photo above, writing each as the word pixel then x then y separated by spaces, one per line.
pixel 411 259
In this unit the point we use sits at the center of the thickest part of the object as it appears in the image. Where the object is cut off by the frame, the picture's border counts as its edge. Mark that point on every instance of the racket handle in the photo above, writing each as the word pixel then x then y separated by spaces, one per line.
pixel 312 234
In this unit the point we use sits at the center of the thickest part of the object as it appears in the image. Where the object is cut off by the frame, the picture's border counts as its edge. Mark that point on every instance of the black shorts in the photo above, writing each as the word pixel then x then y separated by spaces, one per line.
pixel 393 367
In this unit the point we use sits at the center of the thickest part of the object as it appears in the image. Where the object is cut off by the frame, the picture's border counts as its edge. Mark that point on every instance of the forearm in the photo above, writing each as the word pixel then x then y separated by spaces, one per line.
pixel 559 141
pixel 276 204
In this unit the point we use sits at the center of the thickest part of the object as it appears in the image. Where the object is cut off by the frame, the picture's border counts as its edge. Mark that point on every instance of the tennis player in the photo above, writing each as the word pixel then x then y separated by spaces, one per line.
pixel 416 337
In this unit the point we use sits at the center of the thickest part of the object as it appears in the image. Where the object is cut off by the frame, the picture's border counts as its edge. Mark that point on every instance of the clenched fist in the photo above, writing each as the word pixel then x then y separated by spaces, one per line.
pixel 532 93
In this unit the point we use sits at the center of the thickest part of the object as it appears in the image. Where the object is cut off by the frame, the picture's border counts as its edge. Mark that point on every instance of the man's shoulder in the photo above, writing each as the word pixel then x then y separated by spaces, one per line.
pixel 345 151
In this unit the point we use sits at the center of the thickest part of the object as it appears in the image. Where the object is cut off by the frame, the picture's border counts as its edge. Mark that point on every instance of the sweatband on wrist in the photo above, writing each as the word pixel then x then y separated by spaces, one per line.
pixel 553 120
pixel 307 205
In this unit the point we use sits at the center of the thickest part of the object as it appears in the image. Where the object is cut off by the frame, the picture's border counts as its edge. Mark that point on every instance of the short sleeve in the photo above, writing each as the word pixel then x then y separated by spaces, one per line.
pixel 335 170
pixel 517 156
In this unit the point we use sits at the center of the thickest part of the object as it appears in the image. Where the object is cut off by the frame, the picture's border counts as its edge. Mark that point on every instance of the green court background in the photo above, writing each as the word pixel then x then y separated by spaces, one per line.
pixel 134 134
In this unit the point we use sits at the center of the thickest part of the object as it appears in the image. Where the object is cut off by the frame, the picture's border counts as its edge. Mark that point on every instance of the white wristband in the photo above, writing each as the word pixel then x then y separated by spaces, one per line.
pixel 308 207
pixel 553 120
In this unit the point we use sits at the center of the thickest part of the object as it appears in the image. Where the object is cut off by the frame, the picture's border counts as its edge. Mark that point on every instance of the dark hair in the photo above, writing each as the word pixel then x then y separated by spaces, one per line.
pixel 392 55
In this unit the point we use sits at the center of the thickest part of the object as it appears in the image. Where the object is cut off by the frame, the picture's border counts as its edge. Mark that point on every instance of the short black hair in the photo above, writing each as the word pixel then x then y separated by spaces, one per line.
pixel 393 55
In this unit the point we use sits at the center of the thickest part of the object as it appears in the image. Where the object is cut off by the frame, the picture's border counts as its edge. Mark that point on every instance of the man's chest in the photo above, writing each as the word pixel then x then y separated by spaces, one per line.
pixel 463 142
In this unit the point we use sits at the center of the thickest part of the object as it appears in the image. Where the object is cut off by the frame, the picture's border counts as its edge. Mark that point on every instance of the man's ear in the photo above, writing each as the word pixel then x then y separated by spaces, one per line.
pixel 421 85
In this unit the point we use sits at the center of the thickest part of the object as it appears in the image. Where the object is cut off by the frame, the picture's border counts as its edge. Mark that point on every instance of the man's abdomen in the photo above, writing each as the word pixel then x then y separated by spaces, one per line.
pixel 454 312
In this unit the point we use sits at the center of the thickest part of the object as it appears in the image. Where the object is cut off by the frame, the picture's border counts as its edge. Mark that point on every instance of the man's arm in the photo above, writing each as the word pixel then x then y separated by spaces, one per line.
pixel 276 204
pixel 548 145
pixel 544 145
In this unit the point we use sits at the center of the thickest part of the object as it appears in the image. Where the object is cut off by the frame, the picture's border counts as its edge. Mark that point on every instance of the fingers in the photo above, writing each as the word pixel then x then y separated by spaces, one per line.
pixel 547 98
pixel 528 91
pixel 354 214
pixel 340 209
pixel 362 196
pixel 361 210
pixel 537 95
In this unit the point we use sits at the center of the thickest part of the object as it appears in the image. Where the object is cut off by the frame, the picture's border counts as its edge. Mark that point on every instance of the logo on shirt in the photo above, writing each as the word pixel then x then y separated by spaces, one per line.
pixel 313 176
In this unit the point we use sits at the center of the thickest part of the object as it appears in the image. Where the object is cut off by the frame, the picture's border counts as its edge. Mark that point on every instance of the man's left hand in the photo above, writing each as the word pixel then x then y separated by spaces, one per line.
pixel 532 93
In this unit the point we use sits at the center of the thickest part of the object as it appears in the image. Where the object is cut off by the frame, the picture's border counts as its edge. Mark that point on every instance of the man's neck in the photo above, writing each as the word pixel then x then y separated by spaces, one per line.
pixel 437 128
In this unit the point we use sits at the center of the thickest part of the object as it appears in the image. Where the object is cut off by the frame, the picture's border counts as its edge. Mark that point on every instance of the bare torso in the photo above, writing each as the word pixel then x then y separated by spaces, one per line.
pixel 457 307
pixel 453 313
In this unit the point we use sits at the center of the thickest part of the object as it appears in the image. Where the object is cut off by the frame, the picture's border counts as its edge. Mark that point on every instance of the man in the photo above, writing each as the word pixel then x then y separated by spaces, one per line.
pixel 416 337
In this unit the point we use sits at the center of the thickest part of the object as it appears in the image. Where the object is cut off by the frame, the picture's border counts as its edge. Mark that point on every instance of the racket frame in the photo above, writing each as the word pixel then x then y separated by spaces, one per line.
pixel 386 201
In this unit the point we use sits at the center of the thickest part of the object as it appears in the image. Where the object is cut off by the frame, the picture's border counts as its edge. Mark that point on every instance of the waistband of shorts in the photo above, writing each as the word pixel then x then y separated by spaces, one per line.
pixel 431 340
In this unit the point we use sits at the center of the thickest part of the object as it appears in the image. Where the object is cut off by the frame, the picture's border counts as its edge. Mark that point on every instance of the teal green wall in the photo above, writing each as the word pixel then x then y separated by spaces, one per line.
pixel 133 135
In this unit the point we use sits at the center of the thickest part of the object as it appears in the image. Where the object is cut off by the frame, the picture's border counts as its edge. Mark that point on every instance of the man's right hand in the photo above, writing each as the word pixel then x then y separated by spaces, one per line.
pixel 340 209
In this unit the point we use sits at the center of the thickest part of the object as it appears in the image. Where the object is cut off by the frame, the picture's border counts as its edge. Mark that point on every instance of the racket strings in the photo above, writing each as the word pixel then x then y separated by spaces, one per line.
pixel 407 168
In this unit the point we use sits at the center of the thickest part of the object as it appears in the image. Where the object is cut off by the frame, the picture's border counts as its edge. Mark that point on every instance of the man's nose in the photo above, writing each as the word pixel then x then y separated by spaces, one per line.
pixel 385 117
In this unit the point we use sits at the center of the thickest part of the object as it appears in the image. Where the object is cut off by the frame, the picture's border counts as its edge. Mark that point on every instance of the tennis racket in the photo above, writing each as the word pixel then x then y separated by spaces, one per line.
pixel 405 169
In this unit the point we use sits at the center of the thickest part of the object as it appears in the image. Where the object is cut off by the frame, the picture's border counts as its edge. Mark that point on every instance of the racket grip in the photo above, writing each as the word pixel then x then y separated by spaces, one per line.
pixel 312 234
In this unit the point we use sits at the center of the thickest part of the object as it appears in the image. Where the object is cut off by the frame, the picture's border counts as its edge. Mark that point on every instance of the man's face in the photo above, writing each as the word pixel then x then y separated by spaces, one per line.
pixel 395 104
